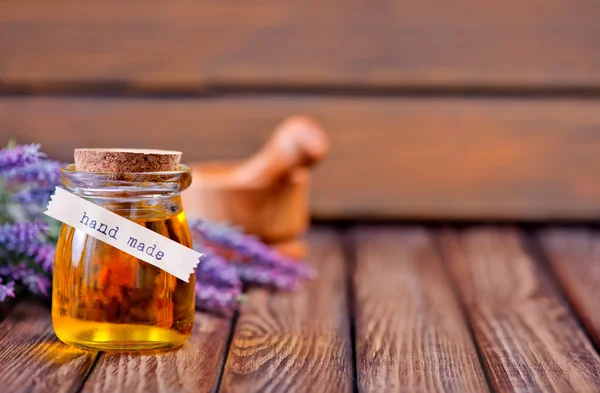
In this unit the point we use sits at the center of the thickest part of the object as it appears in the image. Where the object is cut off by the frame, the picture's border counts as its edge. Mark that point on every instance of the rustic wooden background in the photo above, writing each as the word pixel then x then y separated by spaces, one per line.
pixel 437 110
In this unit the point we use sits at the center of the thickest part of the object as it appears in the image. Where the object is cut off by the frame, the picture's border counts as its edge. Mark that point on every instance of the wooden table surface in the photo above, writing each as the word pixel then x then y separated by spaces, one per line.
pixel 395 308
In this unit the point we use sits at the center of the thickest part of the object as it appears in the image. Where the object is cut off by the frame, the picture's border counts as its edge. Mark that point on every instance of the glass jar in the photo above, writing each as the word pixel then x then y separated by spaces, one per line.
pixel 106 299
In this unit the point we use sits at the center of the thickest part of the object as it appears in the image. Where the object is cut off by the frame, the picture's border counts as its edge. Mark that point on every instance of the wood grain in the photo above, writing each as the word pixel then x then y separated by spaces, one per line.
pixel 527 334
pixel 410 331
pixel 296 342
pixel 391 157
pixel 31 357
pixel 196 367
pixel 574 256
pixel 208 44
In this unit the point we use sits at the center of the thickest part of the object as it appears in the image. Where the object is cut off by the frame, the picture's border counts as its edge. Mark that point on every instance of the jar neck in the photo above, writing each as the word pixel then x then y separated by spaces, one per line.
pixel 144 208
pixel 133 195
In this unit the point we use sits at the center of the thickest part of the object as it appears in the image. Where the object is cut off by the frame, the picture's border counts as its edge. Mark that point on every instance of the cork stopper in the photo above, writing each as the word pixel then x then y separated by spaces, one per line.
pixel 126 160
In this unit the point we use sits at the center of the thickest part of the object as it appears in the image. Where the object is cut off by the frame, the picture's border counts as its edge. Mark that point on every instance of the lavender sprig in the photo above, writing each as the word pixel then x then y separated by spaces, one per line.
pixel 212 298
pixel 254 262
pixel 6 290
pixel 26 253
pixel 247 248
pixel 35 183
pixel 266 276
pixel 44 256
pixel 26 238
pixel 18 157
pixel 269 258
pixel 42 172
pixel 36 196
pixel 36 282
pixel 214 269
pixel 218 287
pixel 23 237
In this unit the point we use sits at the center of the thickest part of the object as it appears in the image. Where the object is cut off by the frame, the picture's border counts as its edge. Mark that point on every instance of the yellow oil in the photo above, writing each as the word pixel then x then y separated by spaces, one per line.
pixel 109 300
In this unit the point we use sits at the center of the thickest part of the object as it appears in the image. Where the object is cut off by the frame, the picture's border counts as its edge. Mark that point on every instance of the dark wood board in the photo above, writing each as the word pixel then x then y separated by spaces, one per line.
pixel 296 342
pixel 410 332
pixel 574 257
pixel 32 359
pixel 202 44
pixel 195 368
pixel 528 336
pixel 444 158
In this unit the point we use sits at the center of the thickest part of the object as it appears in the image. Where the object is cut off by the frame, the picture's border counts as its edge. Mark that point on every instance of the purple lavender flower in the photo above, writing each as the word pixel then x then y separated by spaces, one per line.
pixel 218 287
pixel 6 290
pixel 26 256
pixel 251 274
pixel 44 256
pixel 247 248
pixel 265 256
pixel 35 281
pixel 27 238
pixel 16 271
pixel 214 269
pixel 43 172
pixel 257 263
pixel 23 237
pixel 38 196
pixel 18 157
pixel 212 298
pixel 36 182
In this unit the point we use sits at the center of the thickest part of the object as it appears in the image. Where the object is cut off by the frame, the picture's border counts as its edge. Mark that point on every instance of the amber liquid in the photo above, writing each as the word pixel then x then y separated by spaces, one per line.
pixel 106 299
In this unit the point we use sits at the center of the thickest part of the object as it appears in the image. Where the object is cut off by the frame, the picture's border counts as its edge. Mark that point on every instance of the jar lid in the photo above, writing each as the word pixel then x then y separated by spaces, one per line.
pixel 126 160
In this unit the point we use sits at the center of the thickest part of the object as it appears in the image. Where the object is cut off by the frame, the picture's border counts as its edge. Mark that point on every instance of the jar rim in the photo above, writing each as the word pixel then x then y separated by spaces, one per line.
pixel 134 183
pixel 70 168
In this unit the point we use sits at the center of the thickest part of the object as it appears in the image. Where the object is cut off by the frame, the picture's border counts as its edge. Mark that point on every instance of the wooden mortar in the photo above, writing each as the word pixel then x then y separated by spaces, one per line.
pixel 268 194
pixel 274 213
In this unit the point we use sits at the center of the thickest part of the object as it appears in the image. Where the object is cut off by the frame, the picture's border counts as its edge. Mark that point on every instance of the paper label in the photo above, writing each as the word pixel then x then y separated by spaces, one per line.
pixel 121 233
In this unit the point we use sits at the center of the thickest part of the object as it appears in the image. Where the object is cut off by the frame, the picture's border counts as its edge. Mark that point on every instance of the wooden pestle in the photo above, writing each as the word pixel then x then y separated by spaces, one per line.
pixel 297 142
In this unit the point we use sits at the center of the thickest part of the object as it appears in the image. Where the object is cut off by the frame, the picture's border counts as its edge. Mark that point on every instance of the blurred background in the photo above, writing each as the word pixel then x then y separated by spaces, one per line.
pixel 436 110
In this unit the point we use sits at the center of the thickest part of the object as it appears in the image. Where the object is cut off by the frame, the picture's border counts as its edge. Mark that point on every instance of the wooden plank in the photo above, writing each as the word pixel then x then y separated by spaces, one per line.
pixel 410 331
pixel 574 256
pixel 31 357
pixel 196 367
pixel 527 334
pixel 188 45
pixel 290 342
pixel 391 158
